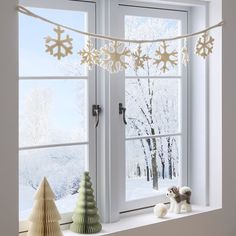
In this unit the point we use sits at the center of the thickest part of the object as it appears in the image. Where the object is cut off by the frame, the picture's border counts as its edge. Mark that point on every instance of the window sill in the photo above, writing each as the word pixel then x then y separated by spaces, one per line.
pixel 142 220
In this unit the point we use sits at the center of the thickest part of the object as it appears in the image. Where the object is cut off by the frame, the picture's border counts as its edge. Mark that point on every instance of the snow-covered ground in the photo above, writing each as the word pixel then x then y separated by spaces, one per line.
pixel 139 188
pixel 135 189
pixel 26 202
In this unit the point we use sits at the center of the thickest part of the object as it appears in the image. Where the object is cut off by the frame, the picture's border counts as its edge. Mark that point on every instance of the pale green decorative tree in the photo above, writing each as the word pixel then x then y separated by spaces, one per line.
pixel 86 218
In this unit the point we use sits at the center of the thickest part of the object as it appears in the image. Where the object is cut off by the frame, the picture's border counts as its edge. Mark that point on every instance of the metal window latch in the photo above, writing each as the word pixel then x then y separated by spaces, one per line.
pixel 96 109
pixel 122 110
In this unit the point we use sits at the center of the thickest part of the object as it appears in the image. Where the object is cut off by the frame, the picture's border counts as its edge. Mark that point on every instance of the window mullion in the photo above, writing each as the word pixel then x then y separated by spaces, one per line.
pixel 153 136
pixel 52 146
pixel 53 77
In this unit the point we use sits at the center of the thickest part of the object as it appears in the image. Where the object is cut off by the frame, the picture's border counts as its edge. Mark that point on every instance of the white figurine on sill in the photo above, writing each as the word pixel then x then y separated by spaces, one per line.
pixel 179 199
pixel 160 210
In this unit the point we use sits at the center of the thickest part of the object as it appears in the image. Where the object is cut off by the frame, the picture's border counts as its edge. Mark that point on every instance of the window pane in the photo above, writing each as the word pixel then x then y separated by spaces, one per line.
pixel 153 106
pixel 139 27
pixel 63 166
pixel 52 112
pixel 33 59
pixel 152 165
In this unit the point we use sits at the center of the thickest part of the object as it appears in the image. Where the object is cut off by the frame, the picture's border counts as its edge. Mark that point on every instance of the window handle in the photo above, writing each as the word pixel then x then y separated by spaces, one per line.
pixel 96 109
pixel 122 110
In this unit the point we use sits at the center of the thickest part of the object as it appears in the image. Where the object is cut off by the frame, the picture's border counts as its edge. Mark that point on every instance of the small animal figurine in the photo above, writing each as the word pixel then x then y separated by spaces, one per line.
pixel 179 199
pixel 160 210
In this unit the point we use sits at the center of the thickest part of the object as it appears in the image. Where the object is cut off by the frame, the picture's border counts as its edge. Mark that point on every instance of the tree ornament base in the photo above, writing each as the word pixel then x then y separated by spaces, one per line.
pixel 86 228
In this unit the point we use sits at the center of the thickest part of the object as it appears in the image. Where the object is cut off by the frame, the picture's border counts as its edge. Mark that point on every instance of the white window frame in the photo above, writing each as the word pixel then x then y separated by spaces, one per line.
pixel 197 113
pixel 115 195
pixel 182 16
pixel 91 163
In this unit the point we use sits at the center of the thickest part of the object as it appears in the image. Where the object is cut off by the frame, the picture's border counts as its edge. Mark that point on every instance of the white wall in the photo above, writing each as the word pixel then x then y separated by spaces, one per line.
pixel 8 119
pixel 217 223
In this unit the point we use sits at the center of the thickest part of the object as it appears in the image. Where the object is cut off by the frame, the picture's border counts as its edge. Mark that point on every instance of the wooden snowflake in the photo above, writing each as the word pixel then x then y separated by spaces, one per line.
pixel 59 47
pixel 185 54
pixel 90 55
pixel 114 57
pixel 164 58
pixel 139 58
pixel 204 45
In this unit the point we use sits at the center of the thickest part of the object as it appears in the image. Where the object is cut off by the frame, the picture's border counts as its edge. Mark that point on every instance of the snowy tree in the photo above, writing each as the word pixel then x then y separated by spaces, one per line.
pixel 152 105
pixel 146 123
pixel 62 167
pixel 152 114
pixel 34 118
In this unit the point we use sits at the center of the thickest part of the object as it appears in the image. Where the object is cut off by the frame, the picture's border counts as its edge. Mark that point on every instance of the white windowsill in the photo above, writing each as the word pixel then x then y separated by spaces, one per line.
pixel 140 220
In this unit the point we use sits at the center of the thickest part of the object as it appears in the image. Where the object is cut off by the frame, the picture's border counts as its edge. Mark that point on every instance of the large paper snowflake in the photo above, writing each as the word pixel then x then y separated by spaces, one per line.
pixel 114 57
pixel 139 58
pixel 164 58
pixel 90 55
pixel 204 45
pixel 59 47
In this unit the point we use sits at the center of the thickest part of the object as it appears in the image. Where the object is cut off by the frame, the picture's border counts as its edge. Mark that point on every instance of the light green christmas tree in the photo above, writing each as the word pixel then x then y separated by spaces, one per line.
pixel 86 218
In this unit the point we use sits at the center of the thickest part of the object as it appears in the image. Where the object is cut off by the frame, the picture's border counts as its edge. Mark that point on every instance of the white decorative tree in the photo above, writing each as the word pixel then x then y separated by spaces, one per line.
pixel 45 216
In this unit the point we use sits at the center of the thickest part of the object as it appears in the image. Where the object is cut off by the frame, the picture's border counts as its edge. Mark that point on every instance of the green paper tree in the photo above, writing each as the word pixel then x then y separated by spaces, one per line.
pixel 45 216
pixel 86 218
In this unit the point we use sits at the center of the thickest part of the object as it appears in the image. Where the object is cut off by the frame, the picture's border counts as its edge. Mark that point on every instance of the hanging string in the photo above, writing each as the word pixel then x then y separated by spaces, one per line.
pixel 27 12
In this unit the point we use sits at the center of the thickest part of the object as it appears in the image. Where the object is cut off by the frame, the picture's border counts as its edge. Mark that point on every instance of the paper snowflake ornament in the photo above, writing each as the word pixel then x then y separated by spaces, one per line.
pixel 164 57
pixel 204 45
pixel 59 47
pixel 114 57
pixel 185 54
pixel 139 58
pixel 90 56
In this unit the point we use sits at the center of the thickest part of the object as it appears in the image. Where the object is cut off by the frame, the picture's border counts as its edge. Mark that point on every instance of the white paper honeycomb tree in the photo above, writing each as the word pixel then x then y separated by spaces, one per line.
pixel 45 216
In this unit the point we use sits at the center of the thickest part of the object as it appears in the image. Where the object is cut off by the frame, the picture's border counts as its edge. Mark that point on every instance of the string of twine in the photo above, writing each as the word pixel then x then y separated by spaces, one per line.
pixel 27 12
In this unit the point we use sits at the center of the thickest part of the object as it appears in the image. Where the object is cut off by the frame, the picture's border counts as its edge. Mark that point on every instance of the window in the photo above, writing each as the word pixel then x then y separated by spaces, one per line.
pixel 56 132
pixel 57 135
pixel 154 141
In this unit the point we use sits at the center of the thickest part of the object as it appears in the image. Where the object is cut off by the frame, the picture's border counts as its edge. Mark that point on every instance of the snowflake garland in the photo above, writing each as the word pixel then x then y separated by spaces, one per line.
pixel 90 56
pixel 204 45
pixel 164 57
pixel 59 47
pixel 139 58
pixel 114 57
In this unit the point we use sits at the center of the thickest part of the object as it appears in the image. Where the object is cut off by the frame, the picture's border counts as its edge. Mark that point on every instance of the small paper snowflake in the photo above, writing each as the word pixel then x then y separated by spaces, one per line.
pixel 114 57
pixel 139 58
pixel 59 47
pixel 90 55
pixel 163 57
pixel 204 45
pixel 185 54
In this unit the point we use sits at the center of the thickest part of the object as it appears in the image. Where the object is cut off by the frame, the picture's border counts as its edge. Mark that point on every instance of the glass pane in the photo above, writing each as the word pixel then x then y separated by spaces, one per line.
pixel 63 167
pixel 33 60
pixel 152 165
pixel 139 27
pixel 52 112
pixel 153 106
